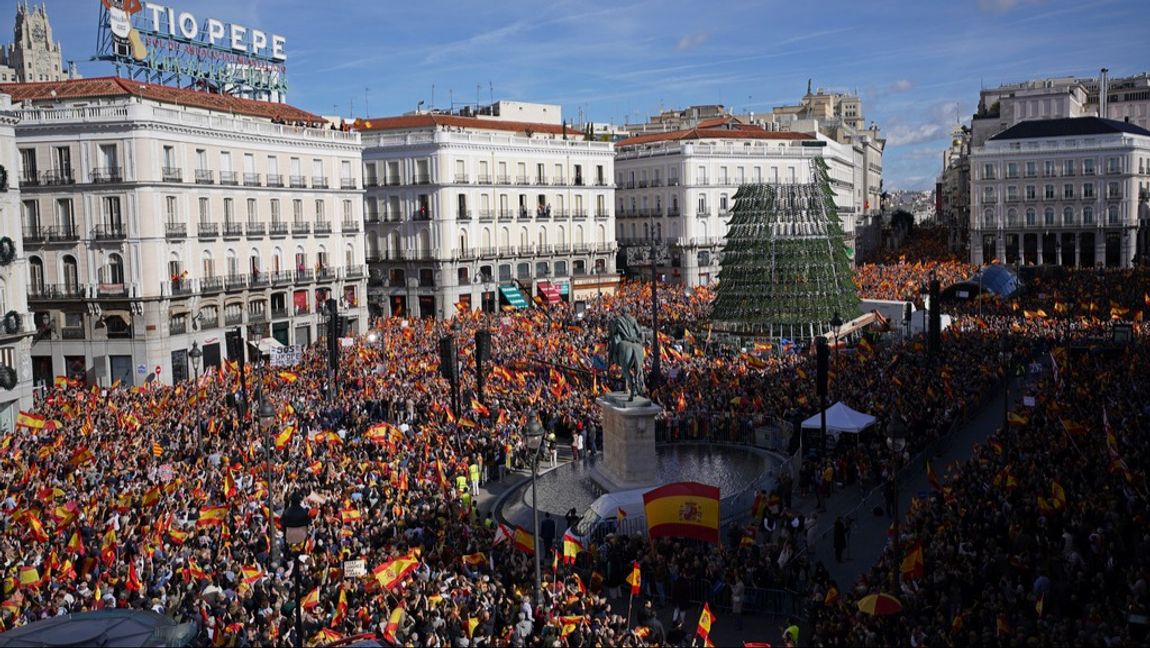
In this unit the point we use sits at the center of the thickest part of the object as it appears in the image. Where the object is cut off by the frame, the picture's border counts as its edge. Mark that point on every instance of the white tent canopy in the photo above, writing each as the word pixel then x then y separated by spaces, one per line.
pixel 840 418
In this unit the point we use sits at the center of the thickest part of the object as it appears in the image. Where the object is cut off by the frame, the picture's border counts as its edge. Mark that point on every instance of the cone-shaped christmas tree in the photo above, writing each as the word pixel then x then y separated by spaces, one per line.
pixel 785 266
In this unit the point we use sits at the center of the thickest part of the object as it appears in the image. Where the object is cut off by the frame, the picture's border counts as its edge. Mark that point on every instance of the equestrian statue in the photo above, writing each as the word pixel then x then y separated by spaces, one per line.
pixel 625 349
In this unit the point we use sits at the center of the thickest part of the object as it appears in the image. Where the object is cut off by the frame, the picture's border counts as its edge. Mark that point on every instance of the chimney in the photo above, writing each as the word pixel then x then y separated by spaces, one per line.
pixel 1102 95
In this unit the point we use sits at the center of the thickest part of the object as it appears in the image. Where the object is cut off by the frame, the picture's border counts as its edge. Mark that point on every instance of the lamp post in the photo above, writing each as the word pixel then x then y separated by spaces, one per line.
pixel 267 414
pixel 1004 360
pixel 535 443
pixel 455 329
pixel 296 521
pixel 196 355
pixel 836 326
pixel 896 443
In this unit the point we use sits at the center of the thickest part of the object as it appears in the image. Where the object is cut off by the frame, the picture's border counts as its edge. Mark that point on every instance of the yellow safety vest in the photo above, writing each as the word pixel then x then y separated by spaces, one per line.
pixel 474 469
pixel 461 483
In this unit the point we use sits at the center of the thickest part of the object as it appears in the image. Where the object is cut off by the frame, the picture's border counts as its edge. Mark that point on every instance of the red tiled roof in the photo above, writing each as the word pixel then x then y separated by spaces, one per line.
pixel 430 120
pixel 742 131
pixel 120 87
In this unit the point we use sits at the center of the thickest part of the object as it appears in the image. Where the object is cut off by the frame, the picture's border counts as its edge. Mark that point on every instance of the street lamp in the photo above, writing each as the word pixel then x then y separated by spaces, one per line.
pixel 1004 360
pixel 267 414
pixel 296 521
pixel 836 326
pixel 535 443
pixel 896 443
pixel 196 355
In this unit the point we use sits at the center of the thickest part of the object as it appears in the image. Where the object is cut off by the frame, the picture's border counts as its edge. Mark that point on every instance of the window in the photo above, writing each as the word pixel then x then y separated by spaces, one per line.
pixel 275 210
pixel 1087 215
pixel 273 165
pixel 72 272
pixel 319 211
pixel 225 162
pixel 1048 216
pixel 229 210
pixel 36 273
pixel 988 195
pixel 1088 190
pixel 1048 168
pixel 988 172
pixel 169 157
pixel 252 215
pixel 1112 190
pixel 1012 193
pixel 204 213
pixel 201 160
pixel 578 175
pixel 1067 192
pixel 1030 216
pixel 297 210
pixel 1088 166
pixel 1011 169
pixel 1012 217
pixel 108 157
pixel 1030 193
pixel 1068 216
pixel 1031 169
pixel 28 163
pixel 170 209
pixel 1112 215
pixel 988 218
pixel 703 204
pixel 722 203
pixel 64 218
pixel 347 215
pixel 31 214
pixel 115 270
pixel 317 168
pixel 1048 192
pixel 1113 165
pixel 1068 168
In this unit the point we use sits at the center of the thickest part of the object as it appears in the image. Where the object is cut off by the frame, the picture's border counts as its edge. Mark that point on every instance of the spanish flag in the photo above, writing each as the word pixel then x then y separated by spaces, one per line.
pixel 683 510
pixel 1016 419
pixel 571 548
pixel 284 437
pixel 75 543
pixel 230 489
pixel 523 540
pixel 932 478
pixel 212 516
pixel 325 637
pixel 134 583
pixel 29 576
pixel 340 609
pixel 392 573
pixel 31 421
pixel 393 621
pixel 472 624
pixel 349 514
pixel 635 580
pixel 311 601
pixel 912 564
pixel 479 408
pixel 705 621
pixel 289 376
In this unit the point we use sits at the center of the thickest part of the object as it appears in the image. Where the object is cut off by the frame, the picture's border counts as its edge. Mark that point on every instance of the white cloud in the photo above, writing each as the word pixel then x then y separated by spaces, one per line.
pixel 1003 6
pixel 902 85
pixel 691 41
pixel 902 135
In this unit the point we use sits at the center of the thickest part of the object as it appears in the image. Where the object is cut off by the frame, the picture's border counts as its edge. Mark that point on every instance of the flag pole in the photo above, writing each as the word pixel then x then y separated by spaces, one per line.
pixel 630 599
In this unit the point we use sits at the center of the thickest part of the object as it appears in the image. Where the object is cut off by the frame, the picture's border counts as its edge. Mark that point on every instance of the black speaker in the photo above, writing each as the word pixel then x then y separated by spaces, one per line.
pixel 935 333
pixel 482 345
pixel 822 357
pixel 907 312
pixel 235 345
pixel 447 367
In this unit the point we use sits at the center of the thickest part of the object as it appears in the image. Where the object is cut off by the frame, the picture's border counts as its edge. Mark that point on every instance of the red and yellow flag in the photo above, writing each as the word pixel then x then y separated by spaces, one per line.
pixel 393 621
pixel 912 564
pixel 212 516
pixel 635 580
pixel 284 437
pixel 340 609
pixel 523 540
pixel 289 376
pixel 683 510
pixel 392 573
pixel 705 621
pixel 29 420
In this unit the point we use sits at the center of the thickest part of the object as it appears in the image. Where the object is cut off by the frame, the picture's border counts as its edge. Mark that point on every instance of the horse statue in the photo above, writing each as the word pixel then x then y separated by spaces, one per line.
pixel 625 348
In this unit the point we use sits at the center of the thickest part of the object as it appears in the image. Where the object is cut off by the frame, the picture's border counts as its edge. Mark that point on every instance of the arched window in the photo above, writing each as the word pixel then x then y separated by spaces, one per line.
pixel 71 272
pixel 1048 216
pixel 542 236
pixel 232 262
pixel 115 269
pixel 486 237
pixel 36 273
pixel 462 239
pixel 462 275
pixel 988 218
pixel 1031 216
pixel 1112 215
pixel 1087 215
pixel 1011 216
pixel 1068 216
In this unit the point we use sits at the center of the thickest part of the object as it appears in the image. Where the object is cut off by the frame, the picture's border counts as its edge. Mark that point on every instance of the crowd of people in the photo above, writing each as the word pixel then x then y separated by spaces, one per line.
pixel 1040 539
pixel 165 497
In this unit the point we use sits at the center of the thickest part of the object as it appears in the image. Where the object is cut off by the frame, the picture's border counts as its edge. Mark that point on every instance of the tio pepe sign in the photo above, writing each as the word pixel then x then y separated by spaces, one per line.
pixel 165 21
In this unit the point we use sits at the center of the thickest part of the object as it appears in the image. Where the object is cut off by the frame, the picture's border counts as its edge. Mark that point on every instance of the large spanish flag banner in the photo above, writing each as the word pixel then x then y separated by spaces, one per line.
pixel 683 510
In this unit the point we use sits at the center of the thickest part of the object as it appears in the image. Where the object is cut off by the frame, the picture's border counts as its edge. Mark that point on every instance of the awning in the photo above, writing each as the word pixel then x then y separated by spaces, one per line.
pixel 549 292
pixel 512 296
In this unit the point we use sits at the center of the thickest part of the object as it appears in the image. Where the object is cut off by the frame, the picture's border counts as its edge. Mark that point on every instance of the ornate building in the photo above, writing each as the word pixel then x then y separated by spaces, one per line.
pixel 32 55
pixel 16 325
pixel 156 217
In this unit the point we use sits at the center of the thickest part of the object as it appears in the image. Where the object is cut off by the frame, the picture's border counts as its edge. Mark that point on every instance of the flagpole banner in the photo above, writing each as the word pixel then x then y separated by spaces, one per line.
pixel 683 510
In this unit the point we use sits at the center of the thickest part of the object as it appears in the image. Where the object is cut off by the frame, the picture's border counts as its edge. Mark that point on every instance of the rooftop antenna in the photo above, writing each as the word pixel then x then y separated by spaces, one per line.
pixel 478 86
pixel 450 100
pixel 433 97
pixel 366 105
pixel 491 92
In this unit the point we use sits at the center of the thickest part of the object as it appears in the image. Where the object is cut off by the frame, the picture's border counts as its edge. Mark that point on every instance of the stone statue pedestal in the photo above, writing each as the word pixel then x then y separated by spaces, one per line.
pixel 628 443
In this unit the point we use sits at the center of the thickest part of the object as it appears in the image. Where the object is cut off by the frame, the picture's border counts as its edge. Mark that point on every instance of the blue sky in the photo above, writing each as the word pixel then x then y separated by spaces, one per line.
pixel 914 62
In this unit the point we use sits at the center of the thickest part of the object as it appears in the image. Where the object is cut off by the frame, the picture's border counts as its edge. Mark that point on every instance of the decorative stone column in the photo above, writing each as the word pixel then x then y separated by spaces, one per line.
pixel 628 443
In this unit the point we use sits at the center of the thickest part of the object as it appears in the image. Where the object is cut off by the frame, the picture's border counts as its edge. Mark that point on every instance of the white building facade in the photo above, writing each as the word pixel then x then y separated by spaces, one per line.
pixel 1059 191
pixel 154 218
pixel 678 188
pixel 16 325
pixel 466 213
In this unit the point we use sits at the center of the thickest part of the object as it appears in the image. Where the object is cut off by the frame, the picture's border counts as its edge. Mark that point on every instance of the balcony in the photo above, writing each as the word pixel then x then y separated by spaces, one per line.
pixel 488 252
pixel 483 179
pixel 233 230
pixel 297 182
pixel 703 213
pixel 280 313
pixel 465 253
pixel 251 179
pixel 524 214
pixel 207 230
pixel 57 177
pixel 503 180
pixel 672 182
pixel 506 215
pixel 255 229
pixel 390 181
pixel 281 278
pixel 230 178
pixel 347 183
pixel 353 272
pixel 278 229
pixel 602 182
pixel 300 229
pixel 522 180
pixel 486 215
pixel 422 214
pixel 304 276
pixel 558 181
pixel 326 274
pixel 545 248
pixel 422 180
pixel 63 234
pixel 506 250
pixel 541 181
pixel 349 226
pixel 204 176
pixel 643 183
pixel 236 282
pixel 107 175
pixel 579 181
pixel 260 279
pixel 55 292
pixel 209 323
pixel 211 285
pixel 372 218
pixel 463 214
pixel 109 232
pixel 234 319
pixel 606 214
pixel 322 228
pixel 172 174
pixel 72 333
pixel 319 182
pixel 581 248
pixel 111 290
pixel 29 179
pixel 180 287
pixel 579 214
pixel 37 235
pixel 275 180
